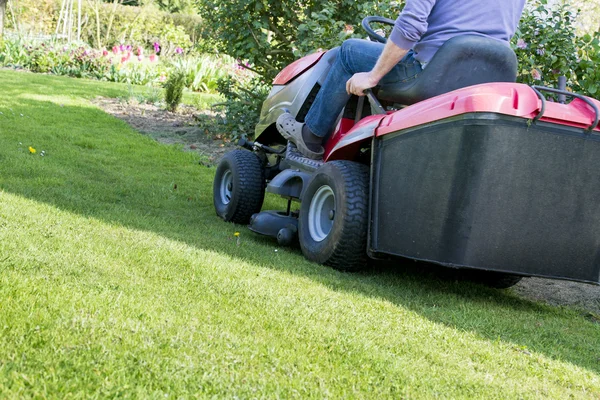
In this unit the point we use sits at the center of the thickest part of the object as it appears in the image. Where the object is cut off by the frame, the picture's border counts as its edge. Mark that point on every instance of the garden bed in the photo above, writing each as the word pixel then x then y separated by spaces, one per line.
pixel 179 128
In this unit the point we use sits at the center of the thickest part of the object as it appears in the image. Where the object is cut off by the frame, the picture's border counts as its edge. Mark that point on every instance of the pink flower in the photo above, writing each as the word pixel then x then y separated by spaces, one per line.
pixel 152 57
pixel 140 58
pixel 104 52
pixel 128 47
pixel 179 50
pixel 536 74
pixel 521 44
pixel 140 51
pixel 156 47
pixel 115 50
pixel 122 48
pixel 124 60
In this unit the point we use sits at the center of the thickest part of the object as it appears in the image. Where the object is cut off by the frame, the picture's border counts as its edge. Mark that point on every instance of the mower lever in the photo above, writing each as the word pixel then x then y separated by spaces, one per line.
pixel 250 145
pixel 376 106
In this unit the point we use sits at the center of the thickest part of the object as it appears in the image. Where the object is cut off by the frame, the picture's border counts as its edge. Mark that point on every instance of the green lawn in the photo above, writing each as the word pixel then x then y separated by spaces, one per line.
pixel 115 284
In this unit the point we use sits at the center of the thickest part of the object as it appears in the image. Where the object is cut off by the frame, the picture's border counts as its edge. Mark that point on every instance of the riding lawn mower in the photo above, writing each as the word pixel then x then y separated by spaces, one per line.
pixel 462 168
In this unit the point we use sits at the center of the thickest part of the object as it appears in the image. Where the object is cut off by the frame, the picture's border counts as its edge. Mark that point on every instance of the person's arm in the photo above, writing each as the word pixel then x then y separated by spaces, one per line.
pixel 409 27
pixel 392 54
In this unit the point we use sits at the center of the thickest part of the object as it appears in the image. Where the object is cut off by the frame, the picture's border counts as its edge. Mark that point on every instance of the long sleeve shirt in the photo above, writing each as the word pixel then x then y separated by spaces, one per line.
pixel 424 25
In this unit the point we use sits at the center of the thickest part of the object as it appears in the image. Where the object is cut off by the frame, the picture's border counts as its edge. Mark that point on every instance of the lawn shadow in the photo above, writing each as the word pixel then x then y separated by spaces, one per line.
pixel 183 215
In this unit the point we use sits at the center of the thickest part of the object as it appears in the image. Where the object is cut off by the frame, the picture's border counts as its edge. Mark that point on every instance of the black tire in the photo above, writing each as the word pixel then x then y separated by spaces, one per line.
pixel 239 186
pixel 341 186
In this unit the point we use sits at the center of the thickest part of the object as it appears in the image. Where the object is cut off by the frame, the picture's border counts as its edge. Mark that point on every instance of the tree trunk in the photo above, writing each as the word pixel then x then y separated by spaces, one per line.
pixel 2 14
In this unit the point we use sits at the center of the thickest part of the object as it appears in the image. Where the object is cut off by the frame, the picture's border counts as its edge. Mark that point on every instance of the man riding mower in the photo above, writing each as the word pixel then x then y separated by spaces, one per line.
pixel 449 161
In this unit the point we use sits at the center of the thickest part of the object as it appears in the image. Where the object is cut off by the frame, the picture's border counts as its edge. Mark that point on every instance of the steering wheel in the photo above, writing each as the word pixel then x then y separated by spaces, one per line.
pixel 366 24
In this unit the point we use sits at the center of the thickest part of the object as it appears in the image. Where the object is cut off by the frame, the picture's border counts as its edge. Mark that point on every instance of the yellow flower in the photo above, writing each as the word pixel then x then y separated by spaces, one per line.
pixel 32 150
pixel 236 234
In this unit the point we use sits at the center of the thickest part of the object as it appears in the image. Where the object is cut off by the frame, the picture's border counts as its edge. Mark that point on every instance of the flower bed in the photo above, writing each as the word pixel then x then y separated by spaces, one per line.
pixel 123 63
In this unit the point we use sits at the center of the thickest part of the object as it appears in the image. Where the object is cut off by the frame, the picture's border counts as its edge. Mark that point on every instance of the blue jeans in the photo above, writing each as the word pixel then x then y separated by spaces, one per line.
pixel 355 55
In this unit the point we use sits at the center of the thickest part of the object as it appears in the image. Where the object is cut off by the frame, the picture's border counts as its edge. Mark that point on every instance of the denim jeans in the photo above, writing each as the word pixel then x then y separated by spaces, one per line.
pixel 355 55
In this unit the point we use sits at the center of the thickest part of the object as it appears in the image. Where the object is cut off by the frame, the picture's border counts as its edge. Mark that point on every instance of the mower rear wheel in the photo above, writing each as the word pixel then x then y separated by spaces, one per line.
pixel 332 226
pixel 239 186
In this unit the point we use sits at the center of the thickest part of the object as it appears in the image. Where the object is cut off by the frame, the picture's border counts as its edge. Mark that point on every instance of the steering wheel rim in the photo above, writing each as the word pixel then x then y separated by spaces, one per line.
pixel 366 24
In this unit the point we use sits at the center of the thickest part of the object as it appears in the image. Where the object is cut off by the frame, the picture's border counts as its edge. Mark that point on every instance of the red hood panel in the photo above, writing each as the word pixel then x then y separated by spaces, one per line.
pixel 297 68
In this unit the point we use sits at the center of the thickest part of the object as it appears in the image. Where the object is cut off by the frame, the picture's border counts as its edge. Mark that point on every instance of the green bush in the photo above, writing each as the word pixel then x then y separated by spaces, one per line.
pixel 270 34
pixel 243 101
pixel 174 90
pixel 547 47
pixel 545 44
pixel 587 72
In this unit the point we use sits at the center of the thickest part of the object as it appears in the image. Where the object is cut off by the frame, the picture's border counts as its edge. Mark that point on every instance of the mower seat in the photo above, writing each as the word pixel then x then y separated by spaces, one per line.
pixel 462 61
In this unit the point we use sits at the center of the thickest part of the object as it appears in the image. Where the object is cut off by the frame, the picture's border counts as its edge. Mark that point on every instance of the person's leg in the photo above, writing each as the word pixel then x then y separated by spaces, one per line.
pixel 354 56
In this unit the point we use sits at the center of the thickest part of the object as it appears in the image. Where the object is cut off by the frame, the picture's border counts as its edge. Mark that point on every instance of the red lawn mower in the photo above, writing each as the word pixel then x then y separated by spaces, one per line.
pixel 464 169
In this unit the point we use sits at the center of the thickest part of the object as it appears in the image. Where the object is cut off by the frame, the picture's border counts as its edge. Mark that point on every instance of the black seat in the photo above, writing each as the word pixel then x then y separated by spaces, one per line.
pixel 462 61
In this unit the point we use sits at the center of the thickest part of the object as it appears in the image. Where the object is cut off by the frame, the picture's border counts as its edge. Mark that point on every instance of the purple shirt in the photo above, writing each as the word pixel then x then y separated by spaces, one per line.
pixel 424 25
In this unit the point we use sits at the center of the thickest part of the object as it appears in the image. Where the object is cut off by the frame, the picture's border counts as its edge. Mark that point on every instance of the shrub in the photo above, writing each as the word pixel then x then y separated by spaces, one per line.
pixel 545 44
pixel 587 71
pixel 174 90
pixel 243 101
pixel 270 34
pixel 547 47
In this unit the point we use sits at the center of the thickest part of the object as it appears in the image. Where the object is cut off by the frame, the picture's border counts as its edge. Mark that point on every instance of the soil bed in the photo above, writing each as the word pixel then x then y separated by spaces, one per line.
pixel 179 128
pixel 182 128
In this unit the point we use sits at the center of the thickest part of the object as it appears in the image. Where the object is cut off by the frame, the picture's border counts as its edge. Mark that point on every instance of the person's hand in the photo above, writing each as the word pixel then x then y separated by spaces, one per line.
pixel 359 83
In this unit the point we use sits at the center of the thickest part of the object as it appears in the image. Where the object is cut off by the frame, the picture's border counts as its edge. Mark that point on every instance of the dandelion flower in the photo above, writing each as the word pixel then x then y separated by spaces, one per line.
pixel 237 234
pixel 32 150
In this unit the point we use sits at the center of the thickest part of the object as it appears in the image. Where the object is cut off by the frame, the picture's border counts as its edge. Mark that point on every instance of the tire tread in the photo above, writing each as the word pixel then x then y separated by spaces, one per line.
pixel 350 253
pixel 251 185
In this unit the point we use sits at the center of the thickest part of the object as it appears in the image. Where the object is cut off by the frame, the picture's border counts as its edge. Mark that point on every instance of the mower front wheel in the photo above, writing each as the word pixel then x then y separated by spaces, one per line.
pixel 239 186
pixel 332 226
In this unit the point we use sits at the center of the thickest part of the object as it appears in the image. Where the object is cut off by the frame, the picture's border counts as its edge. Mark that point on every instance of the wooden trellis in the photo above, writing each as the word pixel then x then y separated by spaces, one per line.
pixel 66 20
